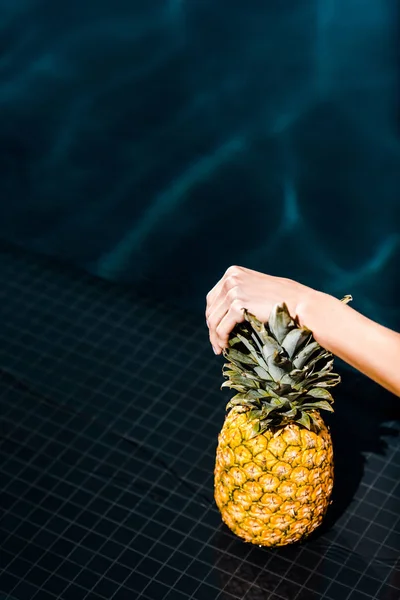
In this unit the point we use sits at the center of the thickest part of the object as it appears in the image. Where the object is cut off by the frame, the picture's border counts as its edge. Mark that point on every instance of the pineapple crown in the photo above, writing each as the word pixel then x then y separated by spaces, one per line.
pixel 280 372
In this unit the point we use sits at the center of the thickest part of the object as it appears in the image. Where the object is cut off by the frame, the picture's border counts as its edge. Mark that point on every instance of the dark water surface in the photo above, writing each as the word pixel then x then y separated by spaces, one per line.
pixel 160 141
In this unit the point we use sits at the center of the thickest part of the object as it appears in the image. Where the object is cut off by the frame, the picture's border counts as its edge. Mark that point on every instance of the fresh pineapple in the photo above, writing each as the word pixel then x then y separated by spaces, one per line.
pixel 274 463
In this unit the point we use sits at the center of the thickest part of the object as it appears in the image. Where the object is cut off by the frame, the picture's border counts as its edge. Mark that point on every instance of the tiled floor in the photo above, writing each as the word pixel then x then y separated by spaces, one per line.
pixel 110 409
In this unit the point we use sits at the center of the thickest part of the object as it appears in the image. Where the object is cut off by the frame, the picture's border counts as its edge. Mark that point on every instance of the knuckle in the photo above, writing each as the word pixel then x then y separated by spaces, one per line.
pixel 211 322
pixel 232 293
pixel 237 306
pixel 232 270
pixel 220 332
pixel 230 282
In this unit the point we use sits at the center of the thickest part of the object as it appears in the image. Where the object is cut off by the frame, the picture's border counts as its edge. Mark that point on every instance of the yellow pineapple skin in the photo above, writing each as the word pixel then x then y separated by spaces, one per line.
pixel 275 488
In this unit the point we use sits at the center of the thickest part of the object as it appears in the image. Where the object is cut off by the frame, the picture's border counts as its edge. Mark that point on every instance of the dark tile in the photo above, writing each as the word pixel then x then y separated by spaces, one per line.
pixel 178 560
pixel 175 595
pixel 356 562
pixel 357 524
pixel 386 485
pixel 267 581
pixel 308 559
pixel 63 547
pixel 152 528
pixel 118 573
pixel 375 497
pixel 148 566
pixel 389 592
pixel 348 577
pixel 278 566
pixel 287 590
pixel 137 582
pixel 385 518
pixel 160 552
pixel 38 576
pixel 366 510
pixel 74 592
pixel 24 590
pixel 190 546
pixel 68 570
pixel 131 558
pixel 205 592
pixel 236 587
pixel 8 582
pixel 202 533
pixel 40 517
pixel 111 550
pixel 156 590
pixel 368 585
pixel 87 579
pixel 377 532
pixel 142 544
pixel 106 587
pixel 16 546
pixel 337 591
pixel 44 595
pixel 99 564
pixel 369 476
pixel 357 595
pixel 393 540
pixel 298 574
pixel 375 463
pixel 75 533
pixel 56 585
pixel 93 542
pixel 329 568
pixel 199 570
pixel 306 594
pixel 368 547
pixel 121 535
pixel 396 491
pixel 187 584
pixel 318 583
pixel 19 567
pixel 392 470
pixel 168 576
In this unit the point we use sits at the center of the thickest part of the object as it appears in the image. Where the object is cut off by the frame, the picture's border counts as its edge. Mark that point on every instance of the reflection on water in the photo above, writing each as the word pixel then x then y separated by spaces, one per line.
pixel 256 133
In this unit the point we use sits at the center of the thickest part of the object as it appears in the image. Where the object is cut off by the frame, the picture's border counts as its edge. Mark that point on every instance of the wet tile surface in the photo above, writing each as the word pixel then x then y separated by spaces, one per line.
pixel 110 409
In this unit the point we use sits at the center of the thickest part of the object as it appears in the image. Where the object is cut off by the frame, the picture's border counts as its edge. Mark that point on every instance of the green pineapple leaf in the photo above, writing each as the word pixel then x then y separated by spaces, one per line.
pixel 280 372
pixel 240 357
pixel 303 356
pixel 322 404
pixel 294 340
pixel 321 393
pixel 280 322
pixel 304 420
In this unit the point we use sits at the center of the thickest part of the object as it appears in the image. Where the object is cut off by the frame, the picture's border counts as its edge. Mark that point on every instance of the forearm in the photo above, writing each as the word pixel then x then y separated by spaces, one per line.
pixel 369 347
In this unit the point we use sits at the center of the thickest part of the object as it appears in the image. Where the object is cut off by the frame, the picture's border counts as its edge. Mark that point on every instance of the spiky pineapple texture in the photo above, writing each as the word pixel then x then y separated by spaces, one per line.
pixel 280 372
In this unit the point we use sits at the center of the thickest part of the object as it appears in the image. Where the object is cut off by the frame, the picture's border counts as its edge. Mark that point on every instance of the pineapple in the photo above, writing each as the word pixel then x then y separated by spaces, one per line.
pixel 274 465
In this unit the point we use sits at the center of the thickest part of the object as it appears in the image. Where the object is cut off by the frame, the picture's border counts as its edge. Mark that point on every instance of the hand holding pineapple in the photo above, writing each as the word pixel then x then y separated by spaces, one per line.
pixel 243 288
pixel 274 466
pixel 369 347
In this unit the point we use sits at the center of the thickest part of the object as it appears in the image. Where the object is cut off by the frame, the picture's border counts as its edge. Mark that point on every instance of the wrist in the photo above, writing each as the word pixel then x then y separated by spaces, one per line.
pixel 314 311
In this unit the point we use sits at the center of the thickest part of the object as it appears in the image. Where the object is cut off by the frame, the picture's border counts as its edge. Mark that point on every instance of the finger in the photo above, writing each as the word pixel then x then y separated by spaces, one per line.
pixel 233 316
pixel 218 311
pixel 228 280
pixel 229 292
pixel 213 322
pixel 212 297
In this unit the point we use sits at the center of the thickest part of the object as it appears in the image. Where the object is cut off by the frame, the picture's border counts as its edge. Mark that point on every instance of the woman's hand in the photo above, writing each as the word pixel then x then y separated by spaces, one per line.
pixel 243 288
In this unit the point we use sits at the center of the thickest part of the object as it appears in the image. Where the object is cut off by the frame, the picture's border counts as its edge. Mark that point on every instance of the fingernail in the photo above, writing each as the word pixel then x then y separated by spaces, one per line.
pixel 207 325
pixel 215 352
